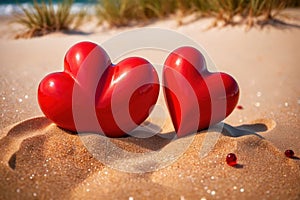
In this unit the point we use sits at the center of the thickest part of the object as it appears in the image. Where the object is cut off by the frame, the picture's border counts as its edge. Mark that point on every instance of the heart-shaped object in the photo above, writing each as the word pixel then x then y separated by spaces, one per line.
pixel 196 98
pixel 92 94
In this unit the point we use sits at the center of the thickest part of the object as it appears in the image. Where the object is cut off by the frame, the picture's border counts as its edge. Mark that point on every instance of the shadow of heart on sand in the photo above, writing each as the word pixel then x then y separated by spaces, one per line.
pixel 160 140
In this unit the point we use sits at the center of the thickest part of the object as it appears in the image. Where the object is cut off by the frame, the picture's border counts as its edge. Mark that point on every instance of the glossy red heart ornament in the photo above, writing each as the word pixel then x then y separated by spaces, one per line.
pixel 196 98
pixel 93 95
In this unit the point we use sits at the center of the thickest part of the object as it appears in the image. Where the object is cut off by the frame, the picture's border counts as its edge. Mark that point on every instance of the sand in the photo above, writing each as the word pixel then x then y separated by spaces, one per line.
pixel 41 161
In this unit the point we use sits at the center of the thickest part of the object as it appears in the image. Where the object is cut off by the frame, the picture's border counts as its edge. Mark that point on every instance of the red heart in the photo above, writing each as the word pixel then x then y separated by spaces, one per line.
pixel 94 95
pixel 196 98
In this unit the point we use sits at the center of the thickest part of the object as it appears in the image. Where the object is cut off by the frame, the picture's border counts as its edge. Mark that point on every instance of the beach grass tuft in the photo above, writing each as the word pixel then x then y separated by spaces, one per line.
pixel 42 18
pixel 125 12
pixel 118 12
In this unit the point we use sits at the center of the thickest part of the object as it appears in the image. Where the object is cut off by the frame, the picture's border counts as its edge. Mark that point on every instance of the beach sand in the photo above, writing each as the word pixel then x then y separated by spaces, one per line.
pixel 38 160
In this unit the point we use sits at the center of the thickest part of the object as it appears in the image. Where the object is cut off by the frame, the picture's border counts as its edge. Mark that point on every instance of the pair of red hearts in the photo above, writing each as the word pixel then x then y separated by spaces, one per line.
pixel 92 94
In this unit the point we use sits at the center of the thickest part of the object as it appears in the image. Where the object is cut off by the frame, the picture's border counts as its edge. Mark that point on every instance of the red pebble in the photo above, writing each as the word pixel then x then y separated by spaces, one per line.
pixel 231 159
pixel 289 153
pixel 240 107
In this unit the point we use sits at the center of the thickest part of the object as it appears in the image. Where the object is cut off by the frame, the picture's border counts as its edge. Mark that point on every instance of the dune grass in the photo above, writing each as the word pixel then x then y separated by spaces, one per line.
pixel 119 13
pixel 42 18
pixel 267 8
pixel 124 12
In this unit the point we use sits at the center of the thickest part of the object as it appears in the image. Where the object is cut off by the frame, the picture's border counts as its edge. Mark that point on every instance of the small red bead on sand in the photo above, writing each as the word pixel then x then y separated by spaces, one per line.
pixel 289 153
pixel 231 159
pixel 240 107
